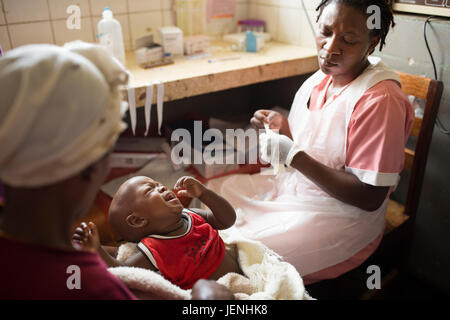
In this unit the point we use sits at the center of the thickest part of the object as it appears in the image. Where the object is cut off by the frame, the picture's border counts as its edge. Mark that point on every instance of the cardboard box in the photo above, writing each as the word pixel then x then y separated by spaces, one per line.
pixel 172 40
pixel 196 44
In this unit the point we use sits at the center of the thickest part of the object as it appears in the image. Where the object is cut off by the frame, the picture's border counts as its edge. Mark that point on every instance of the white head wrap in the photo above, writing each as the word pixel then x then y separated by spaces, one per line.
pixel 60 111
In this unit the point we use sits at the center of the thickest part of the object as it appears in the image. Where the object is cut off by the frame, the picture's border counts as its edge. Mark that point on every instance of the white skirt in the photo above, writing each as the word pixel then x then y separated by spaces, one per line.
pixel 296 219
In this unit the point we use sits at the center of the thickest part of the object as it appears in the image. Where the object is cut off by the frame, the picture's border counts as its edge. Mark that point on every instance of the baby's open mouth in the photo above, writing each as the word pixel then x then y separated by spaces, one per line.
pixel 169 196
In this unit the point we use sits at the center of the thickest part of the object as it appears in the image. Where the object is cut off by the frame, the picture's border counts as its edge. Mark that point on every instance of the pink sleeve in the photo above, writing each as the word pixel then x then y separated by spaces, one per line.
pixel 377 134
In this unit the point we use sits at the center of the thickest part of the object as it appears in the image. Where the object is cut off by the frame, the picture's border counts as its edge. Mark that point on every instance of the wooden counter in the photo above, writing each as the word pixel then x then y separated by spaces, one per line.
pixel 190 77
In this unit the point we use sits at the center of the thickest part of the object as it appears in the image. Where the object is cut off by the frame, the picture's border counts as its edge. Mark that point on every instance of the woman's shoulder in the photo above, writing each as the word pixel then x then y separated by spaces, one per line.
pixel 385 95
pixel 384 103
pixel 386 89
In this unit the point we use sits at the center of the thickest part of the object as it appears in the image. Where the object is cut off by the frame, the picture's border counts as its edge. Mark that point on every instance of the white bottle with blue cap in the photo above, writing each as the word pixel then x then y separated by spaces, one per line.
pixel 110 35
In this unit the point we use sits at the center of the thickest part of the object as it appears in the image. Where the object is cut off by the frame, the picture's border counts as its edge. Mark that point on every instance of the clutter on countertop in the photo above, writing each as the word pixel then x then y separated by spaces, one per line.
pixel 194 75
pixel 250 36
pixel 236 38
pixel 253 25
pixel 150 54
pixel 110 35
pixel 190 16
pixel 172 40
pixel 253 42
pixel 196 44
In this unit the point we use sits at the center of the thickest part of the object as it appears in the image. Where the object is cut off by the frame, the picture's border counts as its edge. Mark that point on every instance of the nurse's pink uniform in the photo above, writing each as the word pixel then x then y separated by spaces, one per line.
pixel 361 130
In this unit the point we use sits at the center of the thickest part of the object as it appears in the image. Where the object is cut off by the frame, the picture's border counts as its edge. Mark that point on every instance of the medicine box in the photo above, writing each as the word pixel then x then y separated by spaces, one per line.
pixel 172 40
pixel 149 55
pixel 196 44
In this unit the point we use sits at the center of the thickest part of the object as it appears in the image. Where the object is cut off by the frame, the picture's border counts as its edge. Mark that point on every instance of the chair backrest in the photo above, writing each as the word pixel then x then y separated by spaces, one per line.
pixel 415 160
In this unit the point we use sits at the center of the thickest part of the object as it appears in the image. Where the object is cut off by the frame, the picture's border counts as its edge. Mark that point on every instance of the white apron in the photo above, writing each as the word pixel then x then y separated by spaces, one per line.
pixel 288 212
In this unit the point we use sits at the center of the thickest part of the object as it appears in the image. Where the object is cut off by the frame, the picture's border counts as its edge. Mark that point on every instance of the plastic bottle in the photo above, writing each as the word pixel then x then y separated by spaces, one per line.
pixel 110 35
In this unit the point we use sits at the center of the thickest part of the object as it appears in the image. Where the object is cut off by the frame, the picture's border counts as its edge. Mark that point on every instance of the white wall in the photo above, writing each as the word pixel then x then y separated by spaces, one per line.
pixel 44 21
pixel 286 20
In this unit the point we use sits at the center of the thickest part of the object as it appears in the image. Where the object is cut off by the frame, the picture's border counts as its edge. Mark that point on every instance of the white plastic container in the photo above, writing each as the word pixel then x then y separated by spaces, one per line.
pixel 196 44
pixel 110 35
pixel 172 40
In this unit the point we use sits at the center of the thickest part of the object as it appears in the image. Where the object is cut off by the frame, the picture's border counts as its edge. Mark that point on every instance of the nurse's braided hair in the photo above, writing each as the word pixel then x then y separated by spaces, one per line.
pixel 387 16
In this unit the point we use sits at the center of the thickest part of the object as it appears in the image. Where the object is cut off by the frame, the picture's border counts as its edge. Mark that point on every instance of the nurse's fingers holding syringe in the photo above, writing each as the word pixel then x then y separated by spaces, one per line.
pixel 259 118
pixel 274 119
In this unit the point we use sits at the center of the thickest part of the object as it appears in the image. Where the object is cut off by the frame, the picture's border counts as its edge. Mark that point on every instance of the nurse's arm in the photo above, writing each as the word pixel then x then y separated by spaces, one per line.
pixel 339 184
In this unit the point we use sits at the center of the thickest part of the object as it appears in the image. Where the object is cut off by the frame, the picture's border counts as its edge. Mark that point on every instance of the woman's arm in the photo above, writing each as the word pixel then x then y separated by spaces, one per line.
pixel 339 184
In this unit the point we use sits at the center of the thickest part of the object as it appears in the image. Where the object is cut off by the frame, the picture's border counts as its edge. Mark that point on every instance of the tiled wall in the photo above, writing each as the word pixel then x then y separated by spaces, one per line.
pixel 44 21
pixel 286 20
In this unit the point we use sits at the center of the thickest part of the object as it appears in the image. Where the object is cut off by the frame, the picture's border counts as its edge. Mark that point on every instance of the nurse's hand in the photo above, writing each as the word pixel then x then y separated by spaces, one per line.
pixel 274 119
pixel 276 148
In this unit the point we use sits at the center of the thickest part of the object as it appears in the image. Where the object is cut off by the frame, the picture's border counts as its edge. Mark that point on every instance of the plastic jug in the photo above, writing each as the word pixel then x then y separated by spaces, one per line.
pixel 110 35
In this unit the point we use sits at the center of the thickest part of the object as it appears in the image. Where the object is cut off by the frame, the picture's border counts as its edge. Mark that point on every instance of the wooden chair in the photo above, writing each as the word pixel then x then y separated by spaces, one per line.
pixel 399 217
pixel 415 160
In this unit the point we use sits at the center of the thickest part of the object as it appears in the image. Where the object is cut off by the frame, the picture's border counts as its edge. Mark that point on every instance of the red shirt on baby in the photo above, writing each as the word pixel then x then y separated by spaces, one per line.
pixel 186 258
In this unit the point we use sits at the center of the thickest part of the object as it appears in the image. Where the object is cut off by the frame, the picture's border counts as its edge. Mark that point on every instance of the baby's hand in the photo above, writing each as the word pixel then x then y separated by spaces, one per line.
pixel 189 187
pixel 86 236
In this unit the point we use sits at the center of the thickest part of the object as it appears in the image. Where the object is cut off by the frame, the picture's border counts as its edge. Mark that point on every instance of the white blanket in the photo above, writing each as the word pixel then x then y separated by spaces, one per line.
pixel 267 276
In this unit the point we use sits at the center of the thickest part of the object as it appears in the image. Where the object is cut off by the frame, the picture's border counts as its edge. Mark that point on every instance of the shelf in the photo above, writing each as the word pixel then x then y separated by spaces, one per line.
pixel 190 77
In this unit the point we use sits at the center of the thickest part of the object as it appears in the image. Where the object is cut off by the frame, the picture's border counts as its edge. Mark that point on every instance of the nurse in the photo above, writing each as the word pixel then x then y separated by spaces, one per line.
pixel 343 143
pixel 60 116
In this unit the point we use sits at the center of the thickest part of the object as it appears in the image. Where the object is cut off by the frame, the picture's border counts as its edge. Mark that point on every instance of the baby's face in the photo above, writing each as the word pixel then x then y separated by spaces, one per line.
pixel 153 202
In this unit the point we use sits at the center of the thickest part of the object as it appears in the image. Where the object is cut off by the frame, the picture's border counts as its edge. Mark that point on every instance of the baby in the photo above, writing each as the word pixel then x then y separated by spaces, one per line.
pixel 182 244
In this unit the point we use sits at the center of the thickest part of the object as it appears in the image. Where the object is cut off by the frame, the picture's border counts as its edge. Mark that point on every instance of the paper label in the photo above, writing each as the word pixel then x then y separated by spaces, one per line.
pixel 218 9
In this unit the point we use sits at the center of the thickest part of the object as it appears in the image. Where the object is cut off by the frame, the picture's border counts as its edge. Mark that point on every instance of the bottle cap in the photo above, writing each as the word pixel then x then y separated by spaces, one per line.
pixel 107 14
